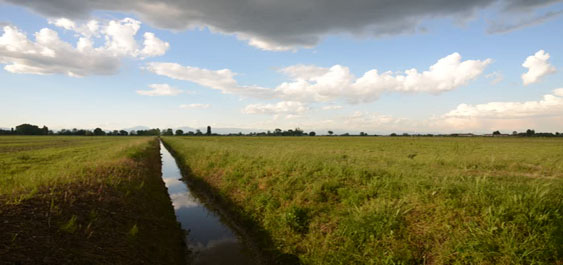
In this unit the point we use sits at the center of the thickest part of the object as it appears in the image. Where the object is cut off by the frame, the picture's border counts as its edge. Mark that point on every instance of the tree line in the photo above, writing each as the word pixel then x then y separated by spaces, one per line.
pixel 29 129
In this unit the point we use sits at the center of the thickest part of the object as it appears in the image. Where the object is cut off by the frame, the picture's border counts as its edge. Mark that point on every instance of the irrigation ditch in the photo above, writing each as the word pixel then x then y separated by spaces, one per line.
pixel 216 230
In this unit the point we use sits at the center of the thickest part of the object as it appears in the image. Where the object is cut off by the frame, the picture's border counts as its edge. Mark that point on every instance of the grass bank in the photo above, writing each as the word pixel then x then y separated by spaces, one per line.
pixel 358 200
pixel 85 200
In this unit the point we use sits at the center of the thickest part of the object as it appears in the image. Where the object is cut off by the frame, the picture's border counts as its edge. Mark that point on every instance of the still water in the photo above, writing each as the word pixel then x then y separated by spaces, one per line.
pixel 210 241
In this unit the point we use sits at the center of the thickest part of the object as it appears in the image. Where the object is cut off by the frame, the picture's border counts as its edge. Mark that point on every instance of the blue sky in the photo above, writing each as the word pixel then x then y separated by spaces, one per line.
pixel 479 89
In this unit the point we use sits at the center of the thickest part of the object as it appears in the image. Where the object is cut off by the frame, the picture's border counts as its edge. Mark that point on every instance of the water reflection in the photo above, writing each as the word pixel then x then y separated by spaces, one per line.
pixel 211 241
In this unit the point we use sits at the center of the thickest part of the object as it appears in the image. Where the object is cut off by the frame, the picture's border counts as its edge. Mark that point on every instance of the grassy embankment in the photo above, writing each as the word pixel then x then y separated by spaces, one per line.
pixel 85 200
pixel 365 200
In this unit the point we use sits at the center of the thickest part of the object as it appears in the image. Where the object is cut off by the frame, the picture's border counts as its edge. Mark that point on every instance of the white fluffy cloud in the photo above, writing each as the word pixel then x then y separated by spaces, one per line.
pixel 549 105
pixel 317 84
pixel 289 24
pixel 195 106
pixel 311 83
pixel 160 90
pixel 291 107
pixel 538 67
pixel 153 46
pixel 48 54
pixel 89 29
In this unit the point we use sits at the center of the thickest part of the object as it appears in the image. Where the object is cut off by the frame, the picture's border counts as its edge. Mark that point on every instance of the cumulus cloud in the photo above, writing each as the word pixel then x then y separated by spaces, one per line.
pixel 292 107
pixel 48 54
pixel 284 25
pixel 89 29
pixel 153 45
pixel 195 106
pixel 545 114
pixel 549 105
pixel 538 67
pixel 317 84
pixel 160 90
pixel 337 82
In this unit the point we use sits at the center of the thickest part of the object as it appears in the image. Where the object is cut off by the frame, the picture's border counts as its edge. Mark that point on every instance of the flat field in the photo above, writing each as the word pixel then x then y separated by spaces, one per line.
pixel 391 200
pixel 85 200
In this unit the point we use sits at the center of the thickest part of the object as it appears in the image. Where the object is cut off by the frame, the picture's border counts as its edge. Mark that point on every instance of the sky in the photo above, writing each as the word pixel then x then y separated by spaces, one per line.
pixel 377 66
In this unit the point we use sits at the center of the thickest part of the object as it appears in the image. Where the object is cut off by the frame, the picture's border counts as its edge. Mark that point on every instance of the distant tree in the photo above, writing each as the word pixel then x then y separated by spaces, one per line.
pixel 155 132
pixel 330 132
pixel 363 134
pixel 530 132
pixel 28 129
pixel 132 132
pixel 115 132
pixel 312 134
pixel 514 133
pixel 6 132
pixel 191 133
pixel 179 132
pixel 198 132
pixel 99 132
pixel 208 130
pixel 345 134
pixel 168 132
pixel 496 133
pixel 393 134
pixel 277 132
pixel 123 133
pixel 88 133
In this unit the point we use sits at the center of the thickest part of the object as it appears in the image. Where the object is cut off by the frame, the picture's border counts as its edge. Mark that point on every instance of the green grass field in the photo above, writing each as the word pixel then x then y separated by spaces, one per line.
pixel 383 200
pixel 85 200
pixel 27 162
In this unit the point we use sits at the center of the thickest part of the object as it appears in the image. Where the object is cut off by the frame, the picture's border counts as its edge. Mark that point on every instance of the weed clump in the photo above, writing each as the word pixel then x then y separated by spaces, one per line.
pixel 297 219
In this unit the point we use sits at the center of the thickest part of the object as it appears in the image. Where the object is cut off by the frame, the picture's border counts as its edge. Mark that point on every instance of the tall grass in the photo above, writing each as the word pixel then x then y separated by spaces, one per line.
pixel 357 200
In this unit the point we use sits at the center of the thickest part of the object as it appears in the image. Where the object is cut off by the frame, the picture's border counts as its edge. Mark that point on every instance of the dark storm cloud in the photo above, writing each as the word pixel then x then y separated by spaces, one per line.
pixel 278 24
pixel 503 27
pixel 528 4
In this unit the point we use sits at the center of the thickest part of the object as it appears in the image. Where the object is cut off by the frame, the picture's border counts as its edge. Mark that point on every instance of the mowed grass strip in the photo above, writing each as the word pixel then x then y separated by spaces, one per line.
pixel 385 200
pixel 85 200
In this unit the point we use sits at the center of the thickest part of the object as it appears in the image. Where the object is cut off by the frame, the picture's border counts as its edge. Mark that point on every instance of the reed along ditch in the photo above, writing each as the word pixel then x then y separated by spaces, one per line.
pixel 209 238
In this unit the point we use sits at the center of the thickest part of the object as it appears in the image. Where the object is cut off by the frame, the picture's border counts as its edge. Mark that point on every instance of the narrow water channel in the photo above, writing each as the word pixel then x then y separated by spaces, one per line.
pixel 210 240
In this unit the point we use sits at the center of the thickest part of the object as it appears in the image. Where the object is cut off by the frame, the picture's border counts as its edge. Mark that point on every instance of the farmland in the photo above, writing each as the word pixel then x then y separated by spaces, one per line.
pixel 85 200
pixel 381 200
